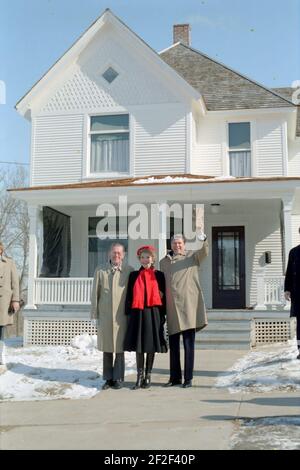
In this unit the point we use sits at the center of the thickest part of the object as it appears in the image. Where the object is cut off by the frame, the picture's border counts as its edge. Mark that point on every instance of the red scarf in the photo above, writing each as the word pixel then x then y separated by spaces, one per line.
pixel 145 290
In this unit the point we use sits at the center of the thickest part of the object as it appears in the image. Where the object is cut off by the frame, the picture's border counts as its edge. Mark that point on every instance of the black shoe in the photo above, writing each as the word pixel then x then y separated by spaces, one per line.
pixel 298 357
pixel 117 384
pixel 187 384
pixel 171 383
pixel 147 381
pixel 139 380
pixel 106 385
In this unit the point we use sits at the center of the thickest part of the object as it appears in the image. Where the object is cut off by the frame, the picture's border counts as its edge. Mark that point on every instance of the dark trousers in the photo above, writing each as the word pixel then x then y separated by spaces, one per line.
pixel 189 353
pixel 113 369
pixel 1 333
pixel 298 331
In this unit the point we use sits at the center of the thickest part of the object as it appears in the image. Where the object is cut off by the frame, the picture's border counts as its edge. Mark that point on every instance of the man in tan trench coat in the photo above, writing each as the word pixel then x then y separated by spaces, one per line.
pixel 9 296
pixel 186 311
pixel 108 308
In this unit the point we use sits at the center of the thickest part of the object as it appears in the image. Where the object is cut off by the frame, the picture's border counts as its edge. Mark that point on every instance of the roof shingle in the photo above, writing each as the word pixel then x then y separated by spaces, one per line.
pixel 287 92
pixel 221 87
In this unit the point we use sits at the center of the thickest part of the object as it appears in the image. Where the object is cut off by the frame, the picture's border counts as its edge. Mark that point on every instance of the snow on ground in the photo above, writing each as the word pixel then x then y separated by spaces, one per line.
pixel 279 433
pixel 54 372
pixel 266 369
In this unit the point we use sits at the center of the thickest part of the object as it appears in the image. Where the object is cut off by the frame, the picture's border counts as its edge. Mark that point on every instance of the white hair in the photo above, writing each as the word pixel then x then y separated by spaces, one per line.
pixel 115 244
pixel 178 236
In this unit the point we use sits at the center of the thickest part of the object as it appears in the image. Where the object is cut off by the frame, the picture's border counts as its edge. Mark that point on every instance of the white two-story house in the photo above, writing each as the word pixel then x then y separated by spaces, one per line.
pixel 113 118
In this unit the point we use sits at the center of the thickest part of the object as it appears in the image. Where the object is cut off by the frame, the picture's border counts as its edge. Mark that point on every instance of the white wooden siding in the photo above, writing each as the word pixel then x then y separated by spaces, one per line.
pixel 57 149
pixel 160 140
pixel 269 147
pixel 210 145
pixel 272 243
pixel 294 158
pixel 207 147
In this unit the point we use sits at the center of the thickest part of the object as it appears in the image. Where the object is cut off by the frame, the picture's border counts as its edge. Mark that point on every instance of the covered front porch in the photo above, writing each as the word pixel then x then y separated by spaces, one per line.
pixel 249 225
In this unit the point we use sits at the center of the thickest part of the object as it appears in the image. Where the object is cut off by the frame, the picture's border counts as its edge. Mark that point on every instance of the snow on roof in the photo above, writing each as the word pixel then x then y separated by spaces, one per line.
pixel 178 179
pixel 168 179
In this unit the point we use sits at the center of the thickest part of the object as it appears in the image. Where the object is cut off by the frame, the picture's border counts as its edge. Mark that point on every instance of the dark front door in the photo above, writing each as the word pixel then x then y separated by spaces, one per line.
pixel 228 258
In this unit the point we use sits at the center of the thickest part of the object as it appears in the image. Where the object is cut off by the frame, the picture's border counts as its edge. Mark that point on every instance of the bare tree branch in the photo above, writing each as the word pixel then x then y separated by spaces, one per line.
pixel 14 220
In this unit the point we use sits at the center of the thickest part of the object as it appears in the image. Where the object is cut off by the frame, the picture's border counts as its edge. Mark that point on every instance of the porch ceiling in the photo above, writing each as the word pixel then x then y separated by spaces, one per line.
pixel 191 188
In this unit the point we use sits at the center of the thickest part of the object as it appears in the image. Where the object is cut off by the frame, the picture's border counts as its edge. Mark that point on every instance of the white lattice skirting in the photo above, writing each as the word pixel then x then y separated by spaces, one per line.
pixel 55 332
pixel 268 331
pixel 59 332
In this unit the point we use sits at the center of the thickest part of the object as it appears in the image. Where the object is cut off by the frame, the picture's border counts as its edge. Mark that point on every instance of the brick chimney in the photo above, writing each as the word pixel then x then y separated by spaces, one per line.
pixel 181 33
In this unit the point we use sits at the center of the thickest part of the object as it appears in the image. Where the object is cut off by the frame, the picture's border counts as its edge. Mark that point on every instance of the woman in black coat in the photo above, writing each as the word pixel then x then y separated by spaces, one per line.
pixel 292 287
pixel 146 309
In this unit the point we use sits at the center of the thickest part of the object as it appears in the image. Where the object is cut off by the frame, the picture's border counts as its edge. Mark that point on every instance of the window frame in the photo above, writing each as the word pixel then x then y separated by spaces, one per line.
pixel 229 150
pixel 121 238
pixel 111 174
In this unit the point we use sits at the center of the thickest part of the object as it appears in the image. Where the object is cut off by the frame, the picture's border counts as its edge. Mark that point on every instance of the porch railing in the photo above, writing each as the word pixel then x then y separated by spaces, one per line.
pixel 63 291
pixel 77 291
pixel 274 290
pixel 270 291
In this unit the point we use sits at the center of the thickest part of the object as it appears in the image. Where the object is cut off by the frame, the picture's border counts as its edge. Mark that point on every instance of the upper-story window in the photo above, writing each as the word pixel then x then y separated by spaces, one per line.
pixel 239 149
pixel 109 144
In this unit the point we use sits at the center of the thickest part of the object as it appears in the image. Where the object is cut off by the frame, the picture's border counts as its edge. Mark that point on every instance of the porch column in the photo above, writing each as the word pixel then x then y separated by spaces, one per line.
pixel 162 231
pixel 287 205
pixel 260 289
pixel 33 212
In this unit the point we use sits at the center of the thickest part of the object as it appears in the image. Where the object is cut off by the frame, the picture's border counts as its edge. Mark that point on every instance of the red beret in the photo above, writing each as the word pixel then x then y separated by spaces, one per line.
pixel 145 248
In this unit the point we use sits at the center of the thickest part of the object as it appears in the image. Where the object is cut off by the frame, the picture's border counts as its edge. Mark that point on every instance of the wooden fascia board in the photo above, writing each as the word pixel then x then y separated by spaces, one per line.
pixel 185 192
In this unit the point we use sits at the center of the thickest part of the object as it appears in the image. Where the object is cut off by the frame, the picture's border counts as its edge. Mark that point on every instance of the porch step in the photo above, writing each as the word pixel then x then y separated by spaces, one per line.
pixel 243 315
pixel 231 315
pixel 240 345
pixel 227 325
pixel 225 333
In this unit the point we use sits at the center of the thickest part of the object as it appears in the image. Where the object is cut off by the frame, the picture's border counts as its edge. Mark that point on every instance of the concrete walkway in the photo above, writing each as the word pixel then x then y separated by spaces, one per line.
pixel 200 417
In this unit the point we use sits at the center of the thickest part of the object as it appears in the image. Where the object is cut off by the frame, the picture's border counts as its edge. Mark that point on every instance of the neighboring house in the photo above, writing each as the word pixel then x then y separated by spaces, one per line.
pixel 112 112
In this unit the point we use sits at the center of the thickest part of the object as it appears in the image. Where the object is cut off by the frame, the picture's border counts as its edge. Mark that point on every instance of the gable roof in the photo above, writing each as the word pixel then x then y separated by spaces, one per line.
pixel 287 93
pixel 80 44
pixel 199 76
pixel 221 87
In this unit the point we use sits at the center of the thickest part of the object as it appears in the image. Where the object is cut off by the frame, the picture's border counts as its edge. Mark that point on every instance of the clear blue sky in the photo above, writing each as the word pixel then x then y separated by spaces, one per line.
pixel 260 38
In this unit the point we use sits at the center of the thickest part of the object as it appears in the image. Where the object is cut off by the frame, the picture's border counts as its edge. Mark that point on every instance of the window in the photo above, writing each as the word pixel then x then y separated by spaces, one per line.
pixel 240 149
pixel 109 144
pixel 98 248
pixel 110 74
